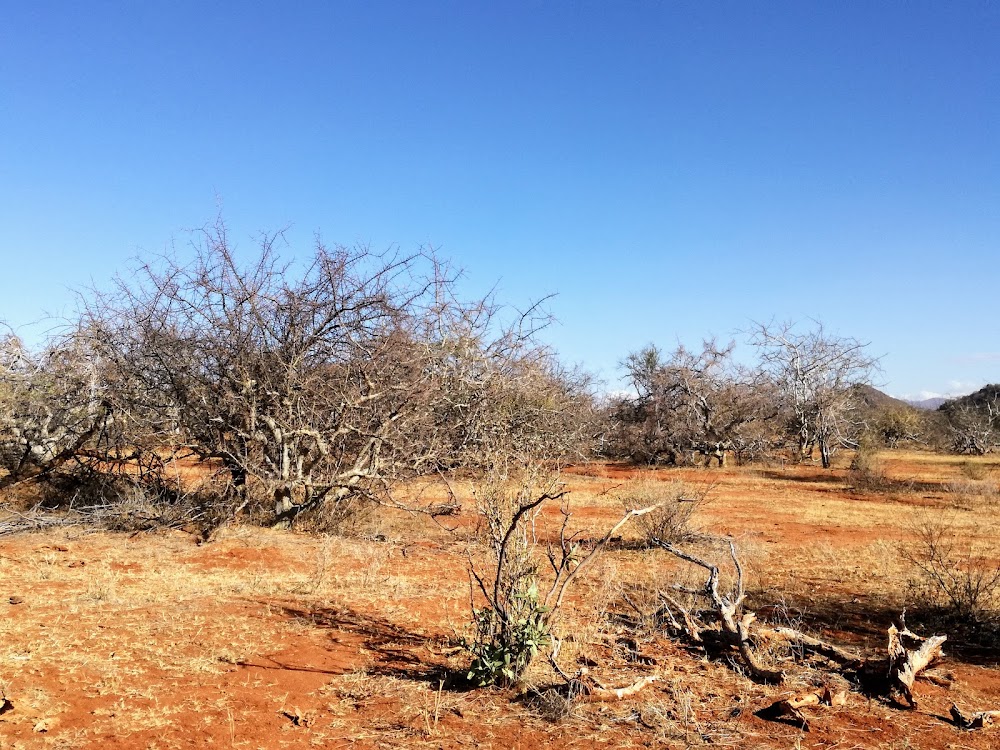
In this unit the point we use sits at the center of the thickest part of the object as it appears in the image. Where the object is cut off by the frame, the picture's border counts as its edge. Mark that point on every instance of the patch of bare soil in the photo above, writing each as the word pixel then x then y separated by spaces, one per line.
pixel 266 639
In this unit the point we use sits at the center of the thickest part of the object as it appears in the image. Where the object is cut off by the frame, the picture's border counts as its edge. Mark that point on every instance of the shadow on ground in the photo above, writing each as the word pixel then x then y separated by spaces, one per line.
pixel 397 652
pixel 862 623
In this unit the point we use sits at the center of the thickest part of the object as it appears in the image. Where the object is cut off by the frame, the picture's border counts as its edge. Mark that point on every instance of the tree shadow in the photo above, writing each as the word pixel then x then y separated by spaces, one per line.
pixel 793 477
pixel 887 485
pixel 397 651
pixel 862 623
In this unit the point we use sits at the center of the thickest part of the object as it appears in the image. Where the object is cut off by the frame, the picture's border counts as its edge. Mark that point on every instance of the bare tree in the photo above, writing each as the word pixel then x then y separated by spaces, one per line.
pixel 52 405
pixel 321 381
pixel 299 378
pixel 974 421
pixel 814 372
pixel 693 402
pixel 499 394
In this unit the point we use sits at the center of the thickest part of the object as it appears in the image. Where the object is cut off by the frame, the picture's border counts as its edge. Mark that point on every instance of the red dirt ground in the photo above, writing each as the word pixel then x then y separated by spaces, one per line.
pixel 267 639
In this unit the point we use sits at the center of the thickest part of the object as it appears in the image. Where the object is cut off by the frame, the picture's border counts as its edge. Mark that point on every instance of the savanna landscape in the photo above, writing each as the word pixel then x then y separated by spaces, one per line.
pixel 255 504
pixel 266 638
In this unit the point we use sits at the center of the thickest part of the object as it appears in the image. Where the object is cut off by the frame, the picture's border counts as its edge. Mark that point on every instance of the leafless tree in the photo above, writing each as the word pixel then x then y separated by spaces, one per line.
pixel 52 405
pixel 814 373
pixel 694 402
pixel 300 378
pixel 320 381
pixel 974 422
pixel 501 396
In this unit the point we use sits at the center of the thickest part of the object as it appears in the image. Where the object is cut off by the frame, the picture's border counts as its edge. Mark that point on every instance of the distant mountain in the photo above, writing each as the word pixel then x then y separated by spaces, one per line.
pixel 989 394
pixel 928 404
pixel 873 398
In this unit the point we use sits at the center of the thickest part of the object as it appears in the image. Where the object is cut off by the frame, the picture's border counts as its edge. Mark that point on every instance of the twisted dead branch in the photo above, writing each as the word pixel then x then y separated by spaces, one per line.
pixel 734 624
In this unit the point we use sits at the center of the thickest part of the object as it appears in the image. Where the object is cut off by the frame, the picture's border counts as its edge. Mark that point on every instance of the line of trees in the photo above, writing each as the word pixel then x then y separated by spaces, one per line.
pixel 803 391
pixel 334 379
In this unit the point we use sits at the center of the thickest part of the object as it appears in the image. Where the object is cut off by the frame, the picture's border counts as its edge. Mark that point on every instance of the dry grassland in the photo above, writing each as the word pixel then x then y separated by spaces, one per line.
pixel 267 639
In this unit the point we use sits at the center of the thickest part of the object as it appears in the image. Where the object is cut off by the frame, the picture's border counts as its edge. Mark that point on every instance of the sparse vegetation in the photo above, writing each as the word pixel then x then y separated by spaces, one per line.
pixel 867 472
pixel 357 397
pixel 951 574
pixel 309 638
pixel 676 504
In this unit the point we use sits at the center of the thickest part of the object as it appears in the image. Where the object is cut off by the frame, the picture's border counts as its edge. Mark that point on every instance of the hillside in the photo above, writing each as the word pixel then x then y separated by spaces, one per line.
pixel 978 400
pixel 872 398
pixel 928 404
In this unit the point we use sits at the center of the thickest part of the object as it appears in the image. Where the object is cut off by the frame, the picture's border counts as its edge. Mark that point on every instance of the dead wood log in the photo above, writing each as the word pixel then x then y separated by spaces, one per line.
pixel 945 680
pixel 583 686
pixel 977 720
pixel 593 691
pixel 905 665
pixel 665 612
pixel 908 655
pixel 735 628
pixel 24 522
pixel 790 708
pixel 844 658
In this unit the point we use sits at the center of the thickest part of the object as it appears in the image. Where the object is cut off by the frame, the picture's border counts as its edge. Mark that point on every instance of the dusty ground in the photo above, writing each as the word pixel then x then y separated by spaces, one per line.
pixel 267 639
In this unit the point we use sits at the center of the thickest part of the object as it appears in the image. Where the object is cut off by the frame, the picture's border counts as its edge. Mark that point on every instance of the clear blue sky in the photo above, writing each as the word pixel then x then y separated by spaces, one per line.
pixel 669 169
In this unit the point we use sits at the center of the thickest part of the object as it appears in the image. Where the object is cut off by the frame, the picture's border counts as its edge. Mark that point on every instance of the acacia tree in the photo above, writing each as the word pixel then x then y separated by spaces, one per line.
pixel 898 425
pixel 500 395
pixel 52 405
pixel 814 373
pixel 301 378
pixel 317 382
pixel 693 402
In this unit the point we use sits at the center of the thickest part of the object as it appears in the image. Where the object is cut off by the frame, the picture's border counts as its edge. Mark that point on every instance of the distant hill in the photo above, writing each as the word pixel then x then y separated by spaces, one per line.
pixel 928 404
pixel 978 400
pixel 929 425
pixel 874 399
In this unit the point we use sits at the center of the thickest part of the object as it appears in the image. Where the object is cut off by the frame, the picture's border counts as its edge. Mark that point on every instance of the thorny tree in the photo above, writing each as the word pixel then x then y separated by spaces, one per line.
pixel 499 395
pixel 319 382
pixel 298 379
pixel 52 405
pixel 814 372
pixel 694 402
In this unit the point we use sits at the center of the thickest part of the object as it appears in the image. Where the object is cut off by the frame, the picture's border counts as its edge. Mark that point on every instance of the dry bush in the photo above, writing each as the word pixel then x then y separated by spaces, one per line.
pixel 950 575
pixel 867 472
pixel 552 704
pixel 678 502
pixel 974 470
pixel 513 625
pixel 969 493
pixel 351 517
pixel 523 596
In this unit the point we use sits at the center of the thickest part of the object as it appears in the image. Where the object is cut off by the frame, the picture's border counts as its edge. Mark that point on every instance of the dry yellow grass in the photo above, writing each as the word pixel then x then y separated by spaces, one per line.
pixel 273 639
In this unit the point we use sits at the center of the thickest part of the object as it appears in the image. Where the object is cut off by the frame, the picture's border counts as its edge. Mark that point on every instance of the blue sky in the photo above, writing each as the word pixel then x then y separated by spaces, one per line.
pixel 669 169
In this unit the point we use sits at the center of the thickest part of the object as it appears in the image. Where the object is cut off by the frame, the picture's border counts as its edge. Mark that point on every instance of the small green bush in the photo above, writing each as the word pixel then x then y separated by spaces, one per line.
pixel 503 650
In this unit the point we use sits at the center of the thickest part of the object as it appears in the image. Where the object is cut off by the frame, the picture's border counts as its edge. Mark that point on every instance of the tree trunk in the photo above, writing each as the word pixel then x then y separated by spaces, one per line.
pixel 824 452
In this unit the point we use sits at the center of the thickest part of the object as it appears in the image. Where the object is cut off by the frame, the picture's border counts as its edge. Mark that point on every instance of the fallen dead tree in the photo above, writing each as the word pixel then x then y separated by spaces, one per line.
pixel 977 720
pixel 19 523
pixel 891 676
pixel 113 517
pixel 730 631
pixel 732 627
